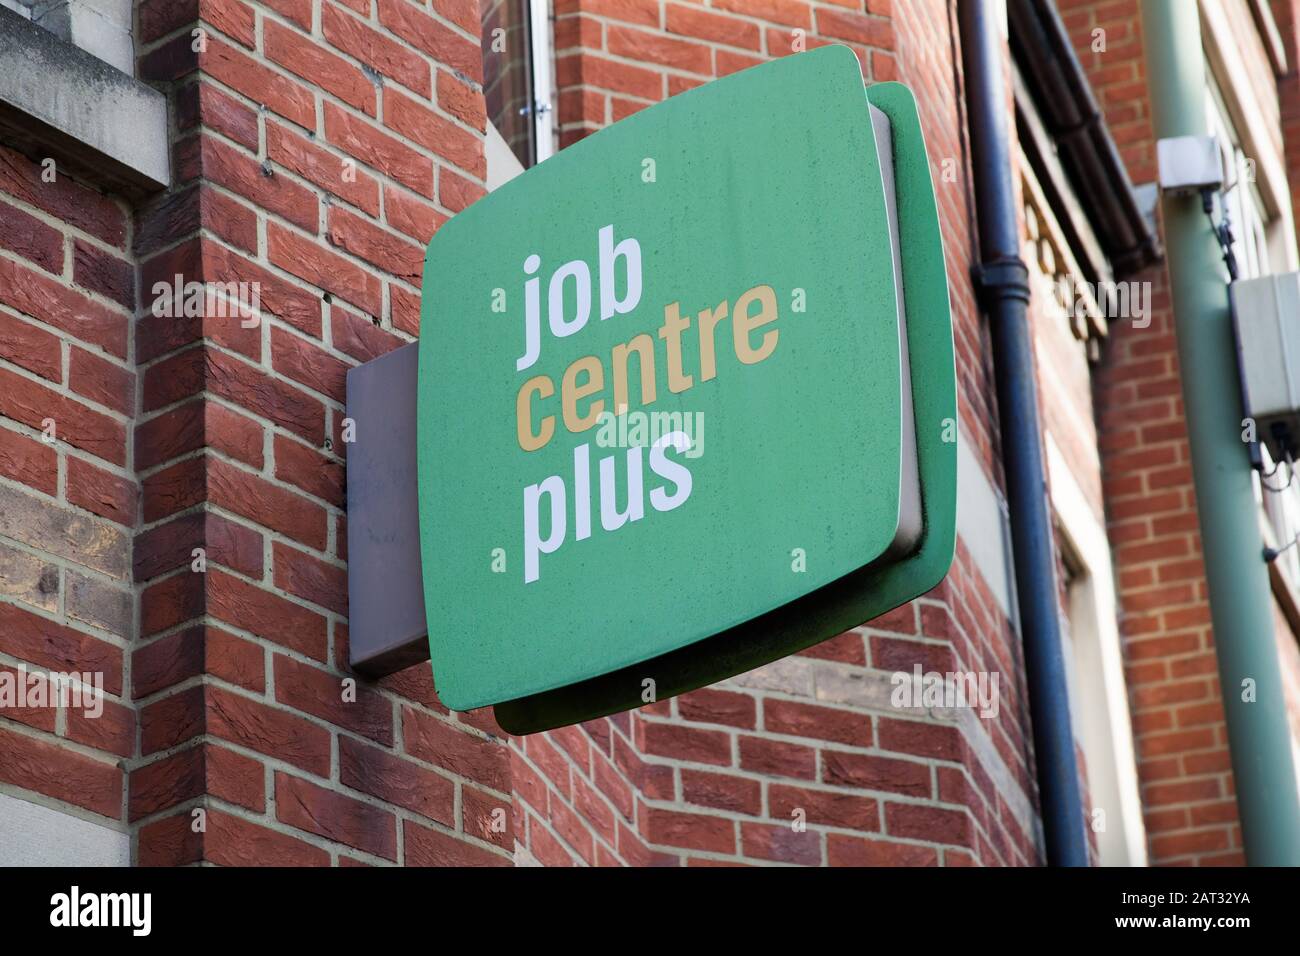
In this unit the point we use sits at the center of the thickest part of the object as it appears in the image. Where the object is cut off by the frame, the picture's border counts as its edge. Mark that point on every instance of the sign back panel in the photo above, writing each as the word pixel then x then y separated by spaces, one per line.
pixel 721 261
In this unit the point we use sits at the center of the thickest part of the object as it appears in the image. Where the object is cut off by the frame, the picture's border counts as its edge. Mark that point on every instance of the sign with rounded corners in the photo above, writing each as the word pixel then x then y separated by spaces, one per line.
pixel 875 588
pixel 659 417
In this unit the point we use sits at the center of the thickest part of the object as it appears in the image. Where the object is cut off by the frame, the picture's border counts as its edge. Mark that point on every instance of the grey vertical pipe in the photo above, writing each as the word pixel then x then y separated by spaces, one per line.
pixel 1232 546
pixel 1004 279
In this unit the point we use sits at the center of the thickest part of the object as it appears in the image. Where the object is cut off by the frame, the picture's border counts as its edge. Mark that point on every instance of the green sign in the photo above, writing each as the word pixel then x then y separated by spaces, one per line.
pixel 661 416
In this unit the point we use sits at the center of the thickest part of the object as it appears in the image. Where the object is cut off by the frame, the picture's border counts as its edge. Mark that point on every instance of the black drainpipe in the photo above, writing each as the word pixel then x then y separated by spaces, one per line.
pixel 1004 284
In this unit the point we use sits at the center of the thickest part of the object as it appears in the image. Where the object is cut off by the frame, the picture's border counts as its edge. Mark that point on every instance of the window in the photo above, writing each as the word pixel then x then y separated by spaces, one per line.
pixel 103 30
pixel 56 56
pixel 1240 199
pixel 517 85
pixel 1094 663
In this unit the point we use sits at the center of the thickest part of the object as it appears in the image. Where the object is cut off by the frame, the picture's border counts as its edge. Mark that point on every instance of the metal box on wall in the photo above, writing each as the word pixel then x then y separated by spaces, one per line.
pixel 385 587
pixel 1267 316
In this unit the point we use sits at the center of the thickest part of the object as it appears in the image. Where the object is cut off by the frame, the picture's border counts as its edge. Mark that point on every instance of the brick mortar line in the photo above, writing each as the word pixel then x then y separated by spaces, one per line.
pixel 265 366
pixel 70 230
pixel 1000 771
pixel 438 18
pixel 261 584
pixel 66 391
pixel 433 64
pixel 677 803
pixel 31 667
pixel 39 799
pixel 270 431
pixel 270 821
pixel 62 449
pixel 594 786
pixel 575 858
pixel 75 624
pixel 663 33
pixel 153 414
pixel 49 557
pixel 392 697
pixel 66 336
pixel 737 16
pixel 262 259
pixel 275 762
pixel 274 481
pixel 321 95
pixel 267 424
pixel 104 758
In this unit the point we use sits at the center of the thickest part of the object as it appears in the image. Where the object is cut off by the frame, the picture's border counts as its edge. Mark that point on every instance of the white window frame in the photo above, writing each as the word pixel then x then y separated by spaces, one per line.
pixel 543 68
pixel 1240 196
pixel 1095 664
pixel 502 164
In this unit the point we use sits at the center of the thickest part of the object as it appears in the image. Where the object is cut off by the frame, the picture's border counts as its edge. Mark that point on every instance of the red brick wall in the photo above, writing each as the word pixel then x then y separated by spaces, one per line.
pixel 1181 742
pixel 318 147
pixel 1182 749
pixel 67 290
pixel 614 57
pixel 713 777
